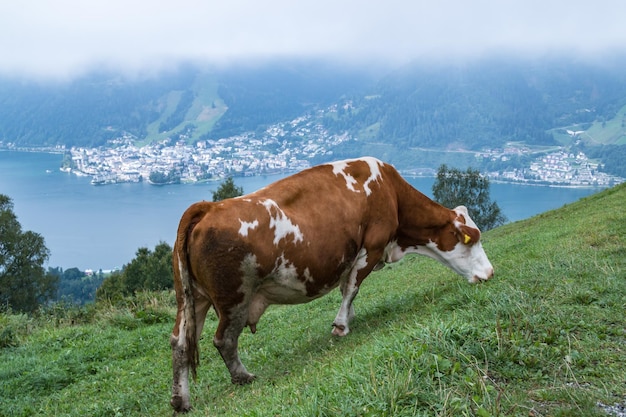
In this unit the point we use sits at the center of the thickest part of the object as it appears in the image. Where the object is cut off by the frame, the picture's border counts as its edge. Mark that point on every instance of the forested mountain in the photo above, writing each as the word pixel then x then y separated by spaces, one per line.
pixel 486 103
pixel 260 96
pixel 85 112
pixel 483 103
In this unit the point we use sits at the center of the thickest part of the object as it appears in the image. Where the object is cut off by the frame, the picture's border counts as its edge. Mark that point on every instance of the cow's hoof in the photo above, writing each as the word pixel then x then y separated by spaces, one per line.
pixel 179 405
pixel 340 330
pixel 243 379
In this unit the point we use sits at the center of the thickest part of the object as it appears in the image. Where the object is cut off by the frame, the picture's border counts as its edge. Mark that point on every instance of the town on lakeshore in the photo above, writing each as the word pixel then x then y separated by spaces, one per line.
pixel 170 161
pixel 289 147
pixel 246 156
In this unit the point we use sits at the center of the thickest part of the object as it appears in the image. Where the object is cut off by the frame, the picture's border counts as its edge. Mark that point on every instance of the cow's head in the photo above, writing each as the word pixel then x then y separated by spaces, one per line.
pixel 458 246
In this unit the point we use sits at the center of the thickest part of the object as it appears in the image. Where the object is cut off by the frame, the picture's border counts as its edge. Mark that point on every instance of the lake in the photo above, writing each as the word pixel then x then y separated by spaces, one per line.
pixel 101 227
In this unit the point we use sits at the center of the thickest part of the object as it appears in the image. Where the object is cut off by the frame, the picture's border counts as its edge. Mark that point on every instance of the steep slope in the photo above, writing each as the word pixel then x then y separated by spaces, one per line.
pixel 544 337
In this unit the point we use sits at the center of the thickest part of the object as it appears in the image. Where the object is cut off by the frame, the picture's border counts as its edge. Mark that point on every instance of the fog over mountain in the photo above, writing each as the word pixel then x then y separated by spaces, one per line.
pixel 483 103
pixel 67 38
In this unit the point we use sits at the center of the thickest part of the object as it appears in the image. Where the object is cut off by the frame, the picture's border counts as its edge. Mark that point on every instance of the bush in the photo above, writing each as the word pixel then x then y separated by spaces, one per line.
pixel 13 328
pixel 454 188
pixel 149 271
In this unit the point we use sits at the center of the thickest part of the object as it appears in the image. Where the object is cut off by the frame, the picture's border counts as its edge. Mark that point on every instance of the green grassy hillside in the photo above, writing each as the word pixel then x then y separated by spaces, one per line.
pixel 611 131
pixel 193 117
pixel 545 337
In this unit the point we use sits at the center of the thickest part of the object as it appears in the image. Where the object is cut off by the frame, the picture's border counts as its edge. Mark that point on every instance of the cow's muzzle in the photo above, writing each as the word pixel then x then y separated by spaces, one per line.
pixel 480 278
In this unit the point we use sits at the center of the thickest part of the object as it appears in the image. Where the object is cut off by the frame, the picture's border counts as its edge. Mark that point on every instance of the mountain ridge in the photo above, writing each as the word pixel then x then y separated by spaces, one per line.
pixel 486 103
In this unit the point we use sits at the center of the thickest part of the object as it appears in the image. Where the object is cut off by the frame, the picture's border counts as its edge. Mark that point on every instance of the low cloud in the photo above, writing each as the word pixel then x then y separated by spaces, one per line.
pixel 66 37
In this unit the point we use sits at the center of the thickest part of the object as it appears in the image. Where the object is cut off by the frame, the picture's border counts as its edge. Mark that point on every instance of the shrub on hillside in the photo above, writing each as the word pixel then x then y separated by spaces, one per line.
pixel 150 270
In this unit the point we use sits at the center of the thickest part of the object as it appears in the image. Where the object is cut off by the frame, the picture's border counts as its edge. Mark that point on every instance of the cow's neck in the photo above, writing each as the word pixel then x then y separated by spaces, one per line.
pixel 420 217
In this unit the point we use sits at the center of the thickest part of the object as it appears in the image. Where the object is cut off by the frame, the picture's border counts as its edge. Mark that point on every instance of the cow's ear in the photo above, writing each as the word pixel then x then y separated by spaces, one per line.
pixel 469 235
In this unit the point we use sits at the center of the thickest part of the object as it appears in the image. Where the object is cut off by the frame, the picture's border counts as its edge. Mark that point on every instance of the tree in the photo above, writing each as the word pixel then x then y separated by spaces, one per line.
pixel 227 189
pixel 454 188
pixel 150 270
pixel 76 286
pixel 137 271
pixel 112 288
pixel 162 178
pixel 160 267
pixel 24 283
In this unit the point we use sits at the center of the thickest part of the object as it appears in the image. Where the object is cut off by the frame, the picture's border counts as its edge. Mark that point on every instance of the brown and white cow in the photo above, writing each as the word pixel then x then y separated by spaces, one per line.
pixel 294 241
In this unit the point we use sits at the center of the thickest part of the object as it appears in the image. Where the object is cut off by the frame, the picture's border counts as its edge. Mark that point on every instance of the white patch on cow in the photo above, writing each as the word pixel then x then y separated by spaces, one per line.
pixel 307 275
pixel 339 168
pixel 247 226
pixel 462 210
pixel 249 273
pixel 249 267
pixel 180 385
pixel 374 165
pixel 185 280
pixel 281 224
pixel 249 270
pixel 468 261
pixel 283 285
pixel 473 257
pixel 393 252
pixel 285 272
pixel 360 262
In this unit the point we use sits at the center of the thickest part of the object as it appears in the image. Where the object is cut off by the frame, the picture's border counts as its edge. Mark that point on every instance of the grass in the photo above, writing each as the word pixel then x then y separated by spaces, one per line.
pixel 545 337
pixel 600 132
pixel 205 111
pixel 611 131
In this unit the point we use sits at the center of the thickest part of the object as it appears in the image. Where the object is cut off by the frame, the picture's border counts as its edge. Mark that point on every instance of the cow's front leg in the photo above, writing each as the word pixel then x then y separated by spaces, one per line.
pixel 227 340
pixel 363 265
pixel 349 290
pixel 346 311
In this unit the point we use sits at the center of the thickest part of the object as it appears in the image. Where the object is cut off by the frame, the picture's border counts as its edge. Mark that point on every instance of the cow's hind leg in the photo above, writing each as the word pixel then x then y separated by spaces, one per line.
pixel 227 340
pixel 180 365
pixel 181 352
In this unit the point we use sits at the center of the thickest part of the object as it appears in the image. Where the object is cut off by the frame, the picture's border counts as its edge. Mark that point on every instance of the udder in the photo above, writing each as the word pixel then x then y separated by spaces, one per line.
pixel 276 292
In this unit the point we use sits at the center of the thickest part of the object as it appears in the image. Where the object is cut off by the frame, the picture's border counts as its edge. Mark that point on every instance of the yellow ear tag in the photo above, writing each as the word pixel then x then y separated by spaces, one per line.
pixel 467 239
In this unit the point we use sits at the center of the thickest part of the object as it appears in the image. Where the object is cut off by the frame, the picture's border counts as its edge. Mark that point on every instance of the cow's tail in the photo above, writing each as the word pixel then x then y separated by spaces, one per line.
pixel 184 275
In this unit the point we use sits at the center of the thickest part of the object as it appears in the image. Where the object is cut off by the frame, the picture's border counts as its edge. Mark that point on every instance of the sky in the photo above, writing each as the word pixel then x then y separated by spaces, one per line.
pixel 65 38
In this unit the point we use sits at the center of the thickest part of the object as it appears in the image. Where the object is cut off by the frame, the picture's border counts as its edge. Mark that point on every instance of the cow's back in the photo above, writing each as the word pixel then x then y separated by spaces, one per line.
pixel 314 222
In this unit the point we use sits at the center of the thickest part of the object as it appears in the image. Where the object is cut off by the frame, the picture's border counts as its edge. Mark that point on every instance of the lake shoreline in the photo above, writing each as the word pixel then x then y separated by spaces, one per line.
pixel 102 227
